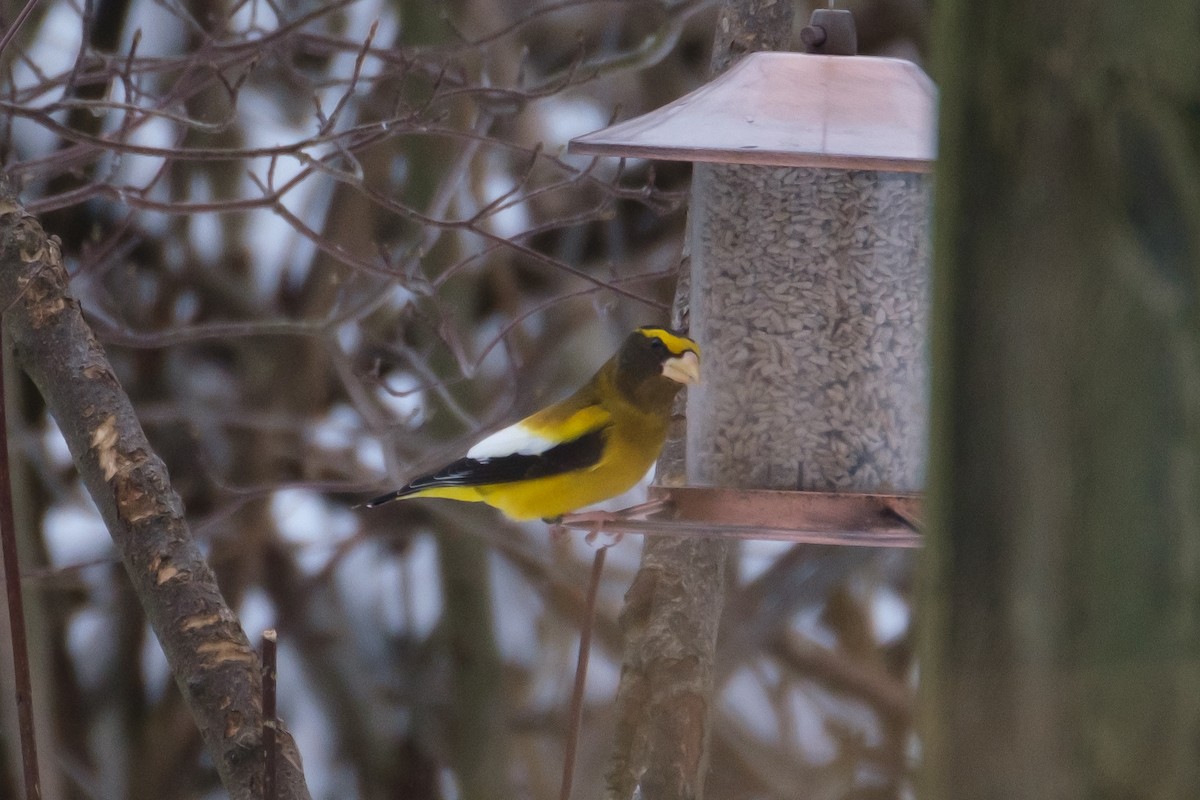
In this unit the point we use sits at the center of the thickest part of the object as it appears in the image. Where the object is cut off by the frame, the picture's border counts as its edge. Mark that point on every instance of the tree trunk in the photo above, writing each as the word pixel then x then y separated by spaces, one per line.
pixel 1062 650
pixel 674 605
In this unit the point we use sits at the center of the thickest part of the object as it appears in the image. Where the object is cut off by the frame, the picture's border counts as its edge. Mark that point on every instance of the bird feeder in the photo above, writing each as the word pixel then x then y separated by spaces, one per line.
pixel 809 242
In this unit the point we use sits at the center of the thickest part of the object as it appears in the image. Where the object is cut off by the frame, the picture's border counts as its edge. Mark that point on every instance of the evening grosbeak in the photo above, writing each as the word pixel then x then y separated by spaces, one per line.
pixel 593 445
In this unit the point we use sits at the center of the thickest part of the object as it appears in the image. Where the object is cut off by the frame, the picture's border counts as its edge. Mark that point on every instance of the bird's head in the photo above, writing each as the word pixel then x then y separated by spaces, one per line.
pixel 657 360
pixel 677 355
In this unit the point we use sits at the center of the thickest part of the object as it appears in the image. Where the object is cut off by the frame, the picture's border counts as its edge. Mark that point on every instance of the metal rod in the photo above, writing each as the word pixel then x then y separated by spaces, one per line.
pixel 269 660
pixel 575 714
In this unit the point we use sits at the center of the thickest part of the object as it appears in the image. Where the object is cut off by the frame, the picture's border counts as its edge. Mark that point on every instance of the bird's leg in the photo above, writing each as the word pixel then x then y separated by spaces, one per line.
pixel 557 529
pixel 597 520
pixel 594 521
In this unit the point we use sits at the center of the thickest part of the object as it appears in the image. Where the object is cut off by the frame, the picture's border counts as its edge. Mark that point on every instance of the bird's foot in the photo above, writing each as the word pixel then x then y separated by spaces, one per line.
pixel 593 521
pixel 597 521
pixel 644 510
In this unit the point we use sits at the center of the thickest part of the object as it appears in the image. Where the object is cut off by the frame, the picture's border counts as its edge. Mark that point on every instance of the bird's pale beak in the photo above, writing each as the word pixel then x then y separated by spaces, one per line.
pixel 683 369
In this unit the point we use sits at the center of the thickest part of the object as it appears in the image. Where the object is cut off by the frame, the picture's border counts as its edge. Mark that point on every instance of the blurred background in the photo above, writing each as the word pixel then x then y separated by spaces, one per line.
pixel 327 246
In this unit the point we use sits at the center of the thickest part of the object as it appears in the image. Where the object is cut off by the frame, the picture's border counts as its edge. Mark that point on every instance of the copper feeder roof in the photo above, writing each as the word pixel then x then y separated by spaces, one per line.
pixel 790 109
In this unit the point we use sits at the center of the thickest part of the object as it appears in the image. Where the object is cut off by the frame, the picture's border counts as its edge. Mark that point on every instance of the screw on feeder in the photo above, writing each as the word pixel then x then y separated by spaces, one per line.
pixel 813 37
pixel 830 32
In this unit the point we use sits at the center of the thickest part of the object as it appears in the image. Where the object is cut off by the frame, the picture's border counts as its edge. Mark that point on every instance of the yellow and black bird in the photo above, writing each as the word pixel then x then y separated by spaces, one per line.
pixel 593 445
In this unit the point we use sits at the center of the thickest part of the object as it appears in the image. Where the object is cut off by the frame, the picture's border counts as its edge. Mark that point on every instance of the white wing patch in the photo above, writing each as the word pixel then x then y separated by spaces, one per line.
pixel 516 439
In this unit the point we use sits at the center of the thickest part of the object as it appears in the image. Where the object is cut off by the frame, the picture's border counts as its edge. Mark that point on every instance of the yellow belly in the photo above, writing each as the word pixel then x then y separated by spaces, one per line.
pixel 625 461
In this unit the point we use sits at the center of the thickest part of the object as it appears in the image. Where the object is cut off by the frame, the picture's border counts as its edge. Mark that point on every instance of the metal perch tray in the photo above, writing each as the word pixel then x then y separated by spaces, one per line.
pixel 838 518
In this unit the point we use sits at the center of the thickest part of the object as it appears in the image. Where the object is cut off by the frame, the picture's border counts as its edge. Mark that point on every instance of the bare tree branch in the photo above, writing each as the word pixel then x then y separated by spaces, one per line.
pixel 214 665
pixel 674 606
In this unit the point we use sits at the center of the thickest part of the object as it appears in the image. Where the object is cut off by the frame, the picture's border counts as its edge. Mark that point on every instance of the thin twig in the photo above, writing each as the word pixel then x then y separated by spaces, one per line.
pixel 11 33
pixel 268 701
pixel 16 611
pixel 575 715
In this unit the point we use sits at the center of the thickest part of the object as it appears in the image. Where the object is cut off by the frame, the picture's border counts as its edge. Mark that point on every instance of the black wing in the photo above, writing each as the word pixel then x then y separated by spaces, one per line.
pixel 576 454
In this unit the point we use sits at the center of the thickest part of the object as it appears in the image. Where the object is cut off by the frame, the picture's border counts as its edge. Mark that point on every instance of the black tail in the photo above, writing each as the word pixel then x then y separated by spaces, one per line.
pixel 387 498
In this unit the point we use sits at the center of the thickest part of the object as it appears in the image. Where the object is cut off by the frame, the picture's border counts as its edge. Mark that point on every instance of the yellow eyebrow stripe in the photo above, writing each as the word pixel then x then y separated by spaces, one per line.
pixel 678 345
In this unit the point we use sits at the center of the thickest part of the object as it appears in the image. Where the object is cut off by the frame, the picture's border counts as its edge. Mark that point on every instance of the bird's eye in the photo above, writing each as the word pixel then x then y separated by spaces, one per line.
pixel 657 346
